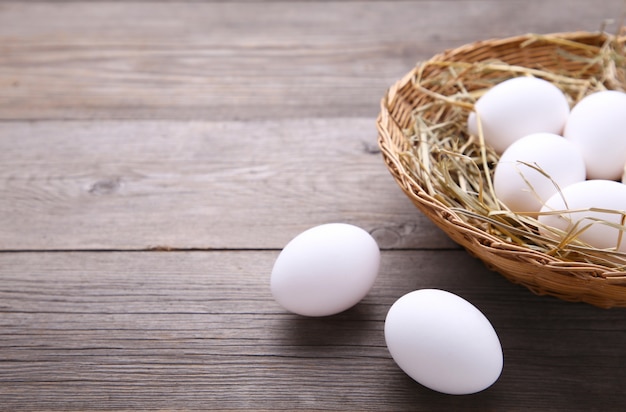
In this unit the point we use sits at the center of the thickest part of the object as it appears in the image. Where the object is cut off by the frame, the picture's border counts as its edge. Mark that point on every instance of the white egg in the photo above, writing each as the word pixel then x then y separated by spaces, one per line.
pixel 325 270
pixel 597 125
pixel 575 200
pixel 443 342
pixel 518 107
pixel 532 169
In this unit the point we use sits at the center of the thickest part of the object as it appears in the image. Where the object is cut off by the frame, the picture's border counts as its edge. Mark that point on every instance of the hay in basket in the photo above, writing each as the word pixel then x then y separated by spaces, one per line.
pixel 447 173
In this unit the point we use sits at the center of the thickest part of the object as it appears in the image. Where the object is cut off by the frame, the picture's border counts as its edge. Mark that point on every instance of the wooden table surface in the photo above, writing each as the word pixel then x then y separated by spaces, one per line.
pixel 155 157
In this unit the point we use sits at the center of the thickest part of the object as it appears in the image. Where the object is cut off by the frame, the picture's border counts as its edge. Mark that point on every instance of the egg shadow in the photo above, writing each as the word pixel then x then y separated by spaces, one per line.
pixel 359 325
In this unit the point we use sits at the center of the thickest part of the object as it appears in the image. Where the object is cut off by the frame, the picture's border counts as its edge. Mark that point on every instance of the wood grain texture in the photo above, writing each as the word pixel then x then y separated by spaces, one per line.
pixel 230 60
pixel 208 185
pixel 223 129
pixel 200 331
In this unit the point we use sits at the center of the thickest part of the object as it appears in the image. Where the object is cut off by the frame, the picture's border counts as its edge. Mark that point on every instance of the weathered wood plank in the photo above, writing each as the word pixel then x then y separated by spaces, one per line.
pixel 208 185
pixel 228 60
pixel 199 330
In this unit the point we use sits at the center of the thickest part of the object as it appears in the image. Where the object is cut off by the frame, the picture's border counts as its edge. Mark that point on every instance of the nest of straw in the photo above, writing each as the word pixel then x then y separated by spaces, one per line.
pixel 447 172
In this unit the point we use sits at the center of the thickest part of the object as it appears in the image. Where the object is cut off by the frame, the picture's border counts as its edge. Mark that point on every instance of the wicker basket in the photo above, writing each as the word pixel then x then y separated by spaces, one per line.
pixel 543 274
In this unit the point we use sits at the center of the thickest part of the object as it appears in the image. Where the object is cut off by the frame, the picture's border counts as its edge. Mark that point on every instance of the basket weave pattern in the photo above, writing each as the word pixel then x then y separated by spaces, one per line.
pixel 543 274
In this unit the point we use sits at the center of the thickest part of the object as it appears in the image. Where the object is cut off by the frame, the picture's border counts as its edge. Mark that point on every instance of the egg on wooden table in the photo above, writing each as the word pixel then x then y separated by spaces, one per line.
pixel 443 342
pixel 597 125
pixel 518 107
pixel 533 168
pixel 325 270
pixel 585 205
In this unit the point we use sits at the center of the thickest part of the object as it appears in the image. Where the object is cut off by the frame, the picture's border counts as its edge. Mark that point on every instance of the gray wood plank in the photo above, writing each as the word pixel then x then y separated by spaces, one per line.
pixel 208 185
pixel 199 330
pixel 231 60
pixel 128 126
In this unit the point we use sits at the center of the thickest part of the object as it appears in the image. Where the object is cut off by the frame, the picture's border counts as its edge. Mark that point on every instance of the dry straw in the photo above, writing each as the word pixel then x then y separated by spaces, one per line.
pixel 447 173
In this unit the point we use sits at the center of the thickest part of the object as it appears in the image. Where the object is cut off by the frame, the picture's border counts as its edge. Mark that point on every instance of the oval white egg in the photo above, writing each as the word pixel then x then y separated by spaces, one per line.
pixel 574 201
pixel 443 342
pixel 532 169
pixel 325 270
pixel 518 107
pixel 596 124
